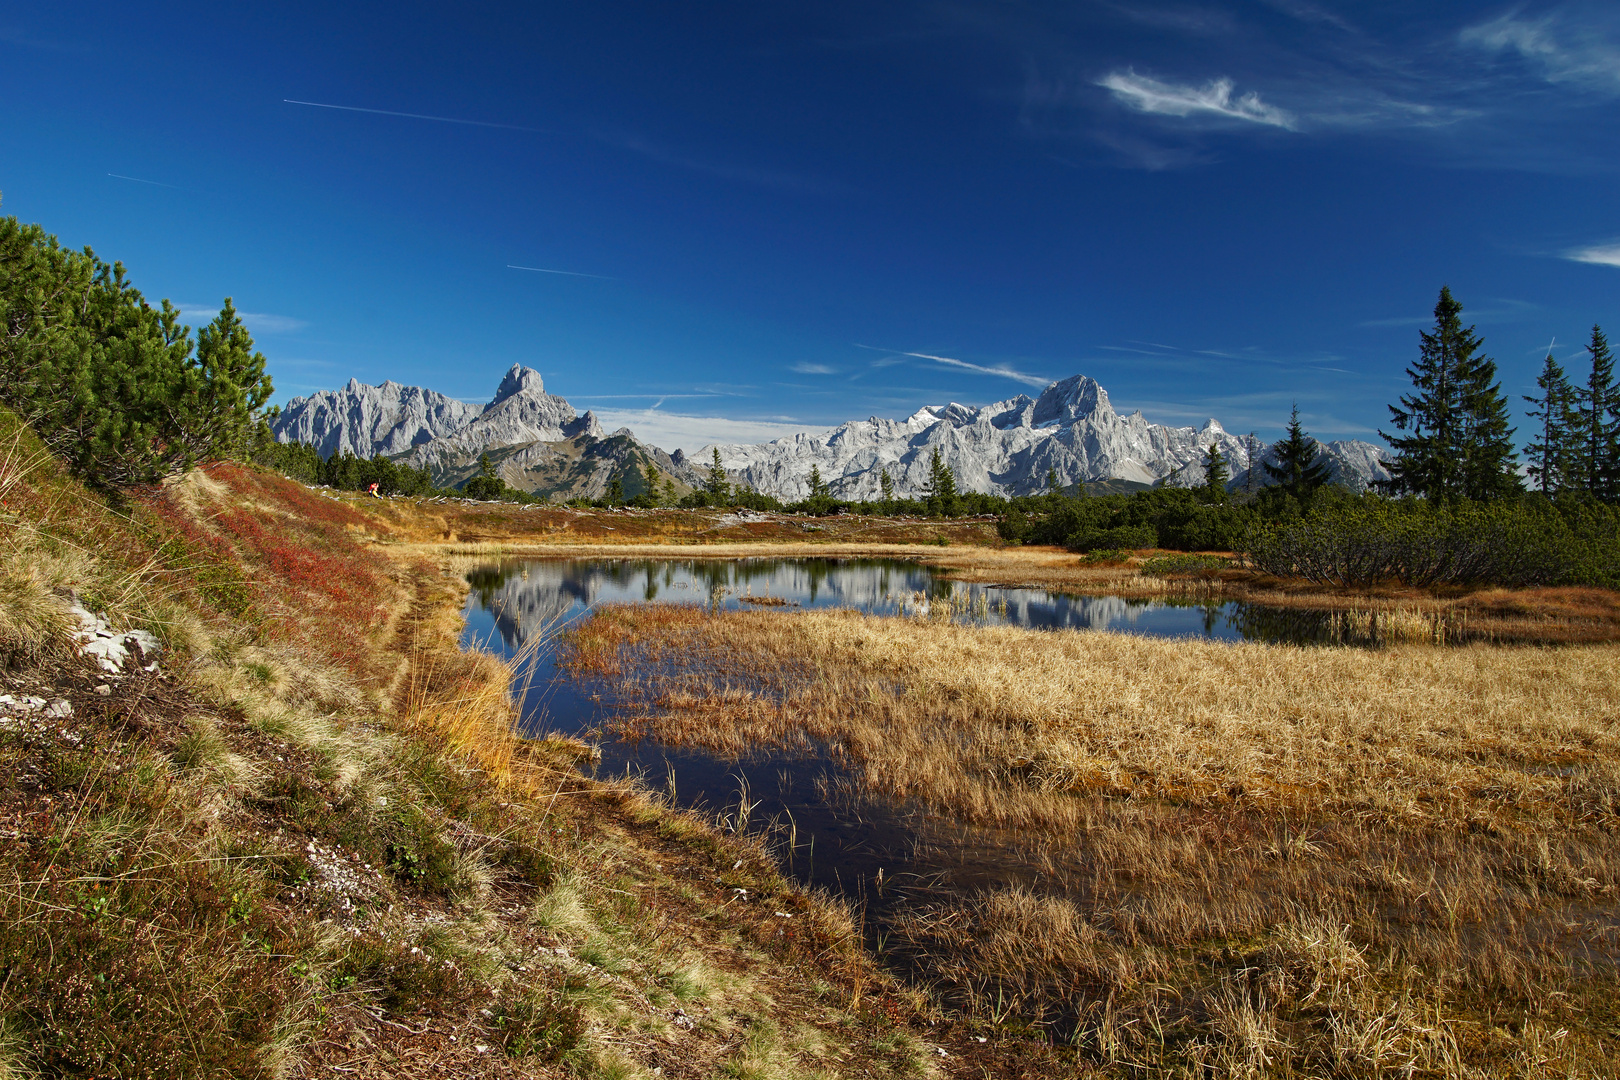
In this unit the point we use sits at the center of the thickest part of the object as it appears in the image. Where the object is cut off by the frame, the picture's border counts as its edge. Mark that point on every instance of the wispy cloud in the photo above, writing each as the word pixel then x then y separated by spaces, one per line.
pixel 1146 94
pixel 258 322
pixel 1597 254
pixel 1308 13
pixel 566 273
pixel 1559 47
pixel 410 116
pixel 1002 370
pixel 814 369
pixel 671 431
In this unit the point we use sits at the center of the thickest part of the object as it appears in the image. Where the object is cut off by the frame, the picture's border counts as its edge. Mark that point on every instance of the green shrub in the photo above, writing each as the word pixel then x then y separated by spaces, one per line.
pixel 115 387
pixel 1185 564
pixel 1526 542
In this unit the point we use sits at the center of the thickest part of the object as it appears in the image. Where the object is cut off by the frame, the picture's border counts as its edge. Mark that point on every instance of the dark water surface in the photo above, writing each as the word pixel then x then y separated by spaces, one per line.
pixel 828 835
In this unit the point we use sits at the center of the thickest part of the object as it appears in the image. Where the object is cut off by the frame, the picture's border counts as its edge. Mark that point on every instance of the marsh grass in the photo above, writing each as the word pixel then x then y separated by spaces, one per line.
pixel 1248 858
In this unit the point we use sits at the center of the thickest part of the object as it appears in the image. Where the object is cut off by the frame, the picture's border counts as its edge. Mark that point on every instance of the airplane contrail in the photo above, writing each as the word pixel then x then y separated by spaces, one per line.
pixel 138 180
pixel 410 115
pixel 570 273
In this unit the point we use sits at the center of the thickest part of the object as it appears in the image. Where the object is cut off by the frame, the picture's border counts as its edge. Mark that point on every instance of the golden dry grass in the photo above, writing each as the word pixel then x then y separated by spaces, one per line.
pixel 1249 858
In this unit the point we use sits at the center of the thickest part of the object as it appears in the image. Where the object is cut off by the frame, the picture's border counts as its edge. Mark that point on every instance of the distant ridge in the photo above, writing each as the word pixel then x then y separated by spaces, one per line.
pixel 1007 448
pixel 540 445
pixel 535 440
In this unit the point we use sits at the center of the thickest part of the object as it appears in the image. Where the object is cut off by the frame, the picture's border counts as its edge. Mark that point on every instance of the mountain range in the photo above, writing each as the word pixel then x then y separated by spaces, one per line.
pixel 539 444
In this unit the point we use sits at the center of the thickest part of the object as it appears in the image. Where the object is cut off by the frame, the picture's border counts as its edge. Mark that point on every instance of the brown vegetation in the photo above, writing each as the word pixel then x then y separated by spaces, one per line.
pixel 310 845
pixel 1249 858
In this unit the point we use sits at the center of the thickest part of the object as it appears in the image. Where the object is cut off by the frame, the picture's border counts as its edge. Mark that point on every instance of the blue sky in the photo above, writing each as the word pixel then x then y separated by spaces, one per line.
pixel 772 216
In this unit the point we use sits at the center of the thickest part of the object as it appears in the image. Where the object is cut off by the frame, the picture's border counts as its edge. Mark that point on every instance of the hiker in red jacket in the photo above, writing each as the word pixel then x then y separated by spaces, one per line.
pixel 373 490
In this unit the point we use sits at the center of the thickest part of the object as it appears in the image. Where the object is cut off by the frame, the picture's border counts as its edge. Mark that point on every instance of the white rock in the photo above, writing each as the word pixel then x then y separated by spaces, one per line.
pixel 111 649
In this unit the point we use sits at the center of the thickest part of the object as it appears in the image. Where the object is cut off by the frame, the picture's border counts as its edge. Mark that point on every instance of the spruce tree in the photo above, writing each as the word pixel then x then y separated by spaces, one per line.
pixel 1552 451
pixel 716 486
pixel 886 485
pixel 615 491
pixel 1597 430
pixel 1489 461
pixel 1459 444
pixel 818 486
pixel 1294 466
pixel 941 493
pixel 1216 474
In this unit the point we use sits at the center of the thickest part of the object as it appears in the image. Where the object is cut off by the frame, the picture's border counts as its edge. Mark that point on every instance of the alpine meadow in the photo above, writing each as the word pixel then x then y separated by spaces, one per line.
pixel 798 542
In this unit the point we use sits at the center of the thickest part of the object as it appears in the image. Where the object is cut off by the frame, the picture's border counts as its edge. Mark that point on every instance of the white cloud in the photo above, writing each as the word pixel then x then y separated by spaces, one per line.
pixel 1000 369
pixel 1562 53
pixel 671 431
pixel 814 369
pixel 1147 94
pixel 1598 254
pixel 257 322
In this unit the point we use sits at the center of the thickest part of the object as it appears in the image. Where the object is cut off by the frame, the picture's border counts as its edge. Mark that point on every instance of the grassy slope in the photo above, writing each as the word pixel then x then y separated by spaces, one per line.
pixel 310 842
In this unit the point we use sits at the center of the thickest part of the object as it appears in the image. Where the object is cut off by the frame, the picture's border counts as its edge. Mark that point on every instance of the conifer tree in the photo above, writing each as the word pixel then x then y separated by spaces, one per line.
pixel 818 486
pixel 1053 485
pixel 941 493
pixel 1597 429
pixel 114 386
pixel 1459 444
pixel 886 485
pixel 224 390
pixel 615 491
pixel 1553 451
pixel 1489 461
pixel 716 486
pixel 1216 474
pixel 1295 467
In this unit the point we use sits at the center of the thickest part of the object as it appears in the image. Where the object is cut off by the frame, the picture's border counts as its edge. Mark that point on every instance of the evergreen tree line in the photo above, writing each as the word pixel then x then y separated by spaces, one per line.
pixel 345 471
pixel 118 389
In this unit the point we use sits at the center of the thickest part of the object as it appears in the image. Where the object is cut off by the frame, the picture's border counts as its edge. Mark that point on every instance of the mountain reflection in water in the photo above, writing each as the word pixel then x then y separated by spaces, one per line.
pixel 841 841
pixel 522 597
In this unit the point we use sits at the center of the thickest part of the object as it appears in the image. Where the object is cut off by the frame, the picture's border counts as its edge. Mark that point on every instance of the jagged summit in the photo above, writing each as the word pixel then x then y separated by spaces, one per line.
pixel 370 420
pixel 535 439
pixel 1009 447
pixel 1076 398
pixel 518 380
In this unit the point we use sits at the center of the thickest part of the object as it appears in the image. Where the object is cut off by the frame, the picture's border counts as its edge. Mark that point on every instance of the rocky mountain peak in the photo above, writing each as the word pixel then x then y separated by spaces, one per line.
pixel 1078 397
pixel 518 380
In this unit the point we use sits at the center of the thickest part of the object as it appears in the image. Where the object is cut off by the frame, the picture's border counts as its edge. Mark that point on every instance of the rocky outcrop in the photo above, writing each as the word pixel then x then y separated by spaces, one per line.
pixel 1008 448
pixel 368 421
